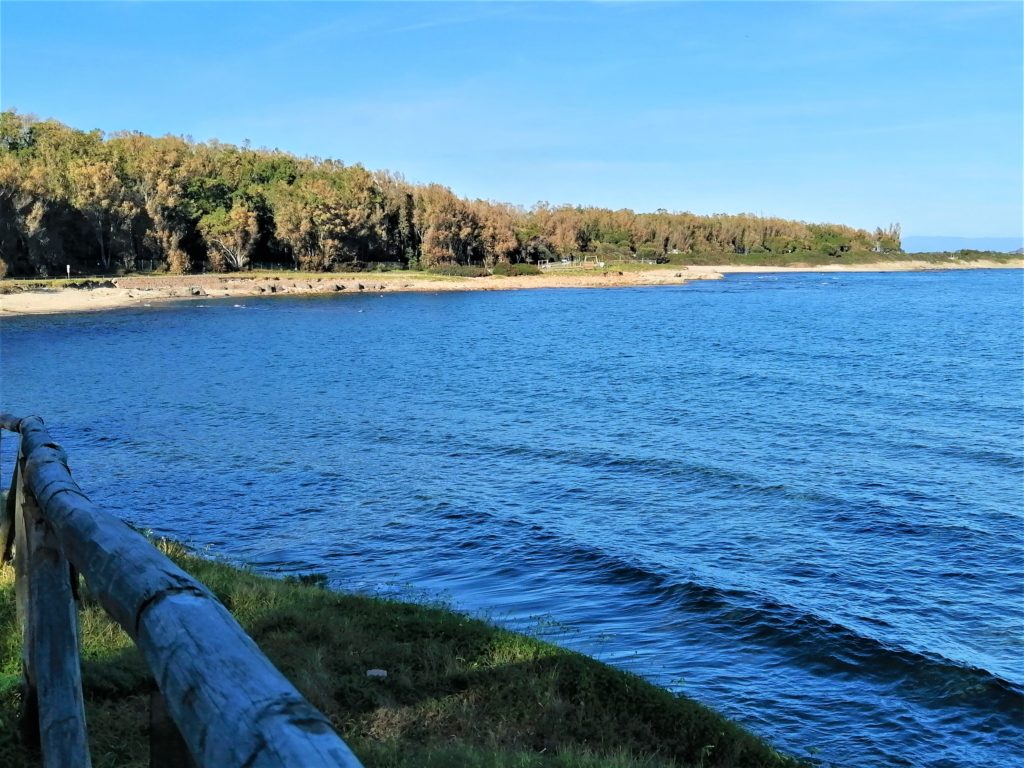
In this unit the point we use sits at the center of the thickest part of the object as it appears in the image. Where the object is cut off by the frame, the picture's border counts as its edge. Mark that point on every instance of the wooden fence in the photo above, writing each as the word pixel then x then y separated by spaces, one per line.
pixel 228 703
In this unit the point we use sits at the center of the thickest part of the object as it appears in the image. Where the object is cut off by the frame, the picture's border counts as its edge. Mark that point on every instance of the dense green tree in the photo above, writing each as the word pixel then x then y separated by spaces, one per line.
pixel 231 237
pixel 109 207
pixel 497 232
pixel 448 231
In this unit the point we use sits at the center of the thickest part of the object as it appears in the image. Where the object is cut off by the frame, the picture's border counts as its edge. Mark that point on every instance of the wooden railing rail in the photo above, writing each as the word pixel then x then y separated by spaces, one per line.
pixel 231 706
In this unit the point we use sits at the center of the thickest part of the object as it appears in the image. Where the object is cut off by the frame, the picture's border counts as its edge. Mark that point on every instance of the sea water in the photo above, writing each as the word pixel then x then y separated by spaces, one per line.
pixel 796 498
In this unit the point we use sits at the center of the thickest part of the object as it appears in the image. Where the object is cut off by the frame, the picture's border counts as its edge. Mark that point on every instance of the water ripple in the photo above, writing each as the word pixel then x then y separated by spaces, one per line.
pixel 794 497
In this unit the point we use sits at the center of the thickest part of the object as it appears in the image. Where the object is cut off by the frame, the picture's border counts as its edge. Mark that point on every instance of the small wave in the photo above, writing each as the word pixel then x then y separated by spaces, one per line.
pixel 833 648
pixel 732 480
pixel 820 643
pixel 816 642
pixel 992 457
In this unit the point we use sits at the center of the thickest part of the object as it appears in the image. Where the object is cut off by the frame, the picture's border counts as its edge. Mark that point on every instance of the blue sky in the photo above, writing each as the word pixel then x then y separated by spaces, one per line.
pixel 863 113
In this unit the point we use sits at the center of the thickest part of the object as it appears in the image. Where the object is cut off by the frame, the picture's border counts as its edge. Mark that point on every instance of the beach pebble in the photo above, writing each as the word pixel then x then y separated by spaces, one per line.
pixel 381 673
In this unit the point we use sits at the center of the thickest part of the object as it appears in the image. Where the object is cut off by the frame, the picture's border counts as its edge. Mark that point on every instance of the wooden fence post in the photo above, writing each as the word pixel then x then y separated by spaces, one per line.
pixel 28 722
pixel 232 707
pixel 9 513
pixel 50 650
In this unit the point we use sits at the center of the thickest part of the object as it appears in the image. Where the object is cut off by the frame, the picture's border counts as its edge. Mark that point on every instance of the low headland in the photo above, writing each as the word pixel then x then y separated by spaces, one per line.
pixel 34 296
pixel 210 219
pixel 457 691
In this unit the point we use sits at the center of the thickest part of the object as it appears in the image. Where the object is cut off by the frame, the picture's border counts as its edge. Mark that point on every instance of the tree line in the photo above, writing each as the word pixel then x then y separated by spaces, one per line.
pixel 105 203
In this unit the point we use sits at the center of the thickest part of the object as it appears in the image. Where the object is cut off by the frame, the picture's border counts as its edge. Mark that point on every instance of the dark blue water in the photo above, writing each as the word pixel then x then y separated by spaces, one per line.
pixel 795 498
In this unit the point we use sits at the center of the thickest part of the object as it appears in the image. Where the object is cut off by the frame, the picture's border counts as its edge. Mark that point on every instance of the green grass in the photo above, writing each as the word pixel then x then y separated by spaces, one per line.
pixel 459 692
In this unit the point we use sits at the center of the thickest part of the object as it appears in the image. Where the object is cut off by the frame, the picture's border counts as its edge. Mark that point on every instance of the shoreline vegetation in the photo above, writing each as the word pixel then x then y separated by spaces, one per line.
pixel 52 296
pixel 134 218
pixel 124 202
pixel 457 691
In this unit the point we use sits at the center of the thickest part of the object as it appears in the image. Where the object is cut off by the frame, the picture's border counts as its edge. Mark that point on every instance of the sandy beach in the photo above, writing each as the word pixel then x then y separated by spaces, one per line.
pixel 145 290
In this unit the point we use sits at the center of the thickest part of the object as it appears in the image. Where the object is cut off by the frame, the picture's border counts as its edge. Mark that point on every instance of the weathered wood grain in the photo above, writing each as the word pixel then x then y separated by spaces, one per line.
pixel 7 526
pixel 53 643
pixel 211 673
pixel 232 706
pixel 10 422
pixel 28 721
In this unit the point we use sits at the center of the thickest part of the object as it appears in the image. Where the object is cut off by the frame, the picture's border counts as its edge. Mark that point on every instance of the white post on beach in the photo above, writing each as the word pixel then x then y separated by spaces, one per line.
pixel 69 271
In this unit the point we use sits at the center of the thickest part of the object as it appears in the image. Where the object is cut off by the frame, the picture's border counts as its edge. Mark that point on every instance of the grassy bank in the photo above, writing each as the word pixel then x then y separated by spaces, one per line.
pixel 458 692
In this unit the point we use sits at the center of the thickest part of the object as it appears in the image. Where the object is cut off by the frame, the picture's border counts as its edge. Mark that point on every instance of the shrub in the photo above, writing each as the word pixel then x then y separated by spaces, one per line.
pixel 647 253
pixel 508 270
pixel 612 252
pixel 348 266
pixel 459 270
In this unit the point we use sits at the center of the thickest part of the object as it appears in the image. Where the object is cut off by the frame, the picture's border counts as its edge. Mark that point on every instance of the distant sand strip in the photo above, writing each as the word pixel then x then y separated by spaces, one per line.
pixel 141 291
